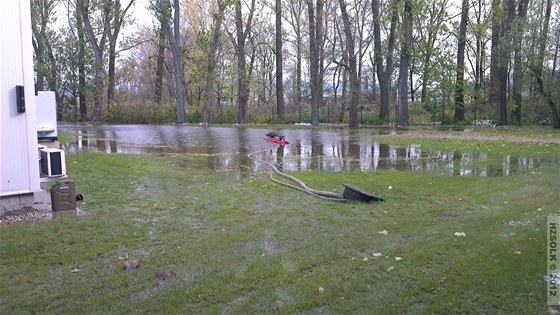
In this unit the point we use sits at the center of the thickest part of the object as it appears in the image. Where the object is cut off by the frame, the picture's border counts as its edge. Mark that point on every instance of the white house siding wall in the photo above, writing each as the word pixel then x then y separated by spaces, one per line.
pixel 19 165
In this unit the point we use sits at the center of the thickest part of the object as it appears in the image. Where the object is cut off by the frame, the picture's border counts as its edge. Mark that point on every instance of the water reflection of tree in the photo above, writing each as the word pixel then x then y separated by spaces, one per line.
pixel 222 148
pixel 316 152
pixel 354 156
pixel 211 160
pixel 402 158
pixel 383 156
pixel 297 150
pixel 99 144
pixel 242 144
pixel 280 157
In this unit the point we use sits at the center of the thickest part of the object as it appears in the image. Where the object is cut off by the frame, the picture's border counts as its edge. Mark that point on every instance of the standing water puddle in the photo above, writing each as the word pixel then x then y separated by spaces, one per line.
pixel 341 149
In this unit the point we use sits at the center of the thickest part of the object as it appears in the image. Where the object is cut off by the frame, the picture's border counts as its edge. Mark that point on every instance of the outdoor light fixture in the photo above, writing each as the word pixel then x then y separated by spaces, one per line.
pixel 20 99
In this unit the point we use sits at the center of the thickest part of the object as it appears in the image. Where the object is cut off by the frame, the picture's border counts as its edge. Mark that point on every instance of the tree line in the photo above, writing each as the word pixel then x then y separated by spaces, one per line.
pixel 335 61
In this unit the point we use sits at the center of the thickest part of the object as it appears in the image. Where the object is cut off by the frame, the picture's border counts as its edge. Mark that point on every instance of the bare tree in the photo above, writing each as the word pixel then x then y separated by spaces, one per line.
pixel 279 62
pixel 428 39
pixel 42 15
pixel 404 65
pixel 239 45
pixel 503 12
pixel 315 15
pixel 537 66
pixel 80 30
pixel 480 23
pixel 118 18
pixel 518 30
pixel 384 72
pixel 351 67
pixel 211 55
pixel 98 46
pixel 160 59
pixel 459 83
pixel 296 9
pixel 162 10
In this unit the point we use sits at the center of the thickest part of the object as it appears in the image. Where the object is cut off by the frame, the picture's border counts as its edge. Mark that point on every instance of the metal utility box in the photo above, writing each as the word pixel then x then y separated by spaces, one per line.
pixel 63 196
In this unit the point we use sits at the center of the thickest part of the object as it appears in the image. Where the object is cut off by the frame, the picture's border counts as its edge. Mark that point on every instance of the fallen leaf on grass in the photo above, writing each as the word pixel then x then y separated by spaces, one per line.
pixel 365 259
pixel 459 234
pixel 321 290
pixel 130 264
pixel 162 274
pixel 517 252
pixel 398 258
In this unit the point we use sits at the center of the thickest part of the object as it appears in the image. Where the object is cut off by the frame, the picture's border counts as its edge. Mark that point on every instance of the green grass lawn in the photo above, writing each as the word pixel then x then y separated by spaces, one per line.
pixel 234 242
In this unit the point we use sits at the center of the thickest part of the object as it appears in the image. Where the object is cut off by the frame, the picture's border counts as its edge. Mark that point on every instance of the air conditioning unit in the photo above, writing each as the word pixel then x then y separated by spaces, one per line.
pixel 53 162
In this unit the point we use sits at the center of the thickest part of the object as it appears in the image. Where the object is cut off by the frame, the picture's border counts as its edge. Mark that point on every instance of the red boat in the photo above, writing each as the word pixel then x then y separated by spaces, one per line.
pixel 280 141
pixel 274 138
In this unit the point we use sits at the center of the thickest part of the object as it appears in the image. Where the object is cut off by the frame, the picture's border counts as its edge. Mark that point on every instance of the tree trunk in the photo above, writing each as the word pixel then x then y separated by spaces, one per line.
pixel 384 73
pixel 517 60
pixel 81 67
pixel 163 12
pixel 460 69
pixel 550 102
pixel 178 62
pixel 319 47
pixel 479 63
pixel 296 11
pixel 241 71
pixel 500 56
pixel 543 38
pixel 343 96
pixel 352 68
pixel 313 64
pixel 97 47
pixel 298 73
pixel 555 58
pixel 404 65
pixel 40 13
pixel 211 66
pixel 242 79
pixel 158 84
pixel 538 66
pixel 279 67
pixel 118 17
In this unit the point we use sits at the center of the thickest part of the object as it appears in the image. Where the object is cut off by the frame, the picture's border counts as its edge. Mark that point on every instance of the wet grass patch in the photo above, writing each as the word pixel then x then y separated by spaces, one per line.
pixel 233 242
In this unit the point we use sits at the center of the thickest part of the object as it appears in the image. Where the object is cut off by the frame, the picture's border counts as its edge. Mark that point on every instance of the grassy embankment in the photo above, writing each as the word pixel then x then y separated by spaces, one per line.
pixel 240 244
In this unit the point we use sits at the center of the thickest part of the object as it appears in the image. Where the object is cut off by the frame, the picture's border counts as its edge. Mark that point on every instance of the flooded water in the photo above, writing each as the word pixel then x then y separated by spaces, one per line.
pixel 336 149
